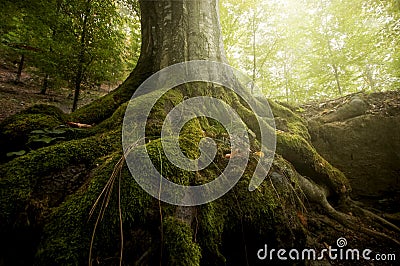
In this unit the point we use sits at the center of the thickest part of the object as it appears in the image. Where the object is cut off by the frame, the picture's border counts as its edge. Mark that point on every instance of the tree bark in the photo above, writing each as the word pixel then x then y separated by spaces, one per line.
pixel 178 31
pixel 20 67
pixel 81 60
pixel 45 84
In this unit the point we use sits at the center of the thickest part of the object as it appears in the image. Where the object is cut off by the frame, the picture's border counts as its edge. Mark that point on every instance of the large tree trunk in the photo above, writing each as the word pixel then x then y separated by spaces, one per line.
pixel 172 32
pixel 179 31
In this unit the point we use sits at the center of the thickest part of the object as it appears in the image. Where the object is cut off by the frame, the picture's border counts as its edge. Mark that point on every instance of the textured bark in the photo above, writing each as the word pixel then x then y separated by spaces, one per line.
pixel 178 31
pixel 81 62
pixel 173 31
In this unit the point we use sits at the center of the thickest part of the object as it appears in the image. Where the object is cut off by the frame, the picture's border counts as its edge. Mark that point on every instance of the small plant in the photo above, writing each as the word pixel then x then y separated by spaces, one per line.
pixel 47 136
pixel 39 138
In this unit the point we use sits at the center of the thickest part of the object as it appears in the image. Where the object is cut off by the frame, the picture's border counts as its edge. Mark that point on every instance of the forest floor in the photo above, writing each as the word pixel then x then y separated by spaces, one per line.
pixel 15 97
pixel 383 103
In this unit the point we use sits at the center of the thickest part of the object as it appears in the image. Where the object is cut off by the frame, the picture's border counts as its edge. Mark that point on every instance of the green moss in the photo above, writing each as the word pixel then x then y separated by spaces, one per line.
pixel 178 243
pixel 67 235
pixel 15 130
pixel 211 223
pixel 113 122
pixel 35 117
pixel 287 120
pixel 22 124
pixel 169 170
pixel 267 214
pixel 97 111
pixel 46 110
pixel 308 162
pixel 21 175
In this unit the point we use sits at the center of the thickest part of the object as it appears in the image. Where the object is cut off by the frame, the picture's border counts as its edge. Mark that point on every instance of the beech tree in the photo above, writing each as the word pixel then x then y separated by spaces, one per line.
pixel 75 202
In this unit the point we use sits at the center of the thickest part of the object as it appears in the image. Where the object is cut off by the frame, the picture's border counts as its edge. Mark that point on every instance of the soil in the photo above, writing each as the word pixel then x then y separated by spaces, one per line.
pixel 15 97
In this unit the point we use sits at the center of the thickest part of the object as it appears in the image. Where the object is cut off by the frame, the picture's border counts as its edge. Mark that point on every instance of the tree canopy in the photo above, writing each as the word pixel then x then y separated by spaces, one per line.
pixel 305 49
pixel 73 43
pixel 294 50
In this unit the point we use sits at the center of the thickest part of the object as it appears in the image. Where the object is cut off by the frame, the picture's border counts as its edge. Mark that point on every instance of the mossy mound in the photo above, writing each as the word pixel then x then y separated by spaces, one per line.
pixel 15 130
pixel 228 230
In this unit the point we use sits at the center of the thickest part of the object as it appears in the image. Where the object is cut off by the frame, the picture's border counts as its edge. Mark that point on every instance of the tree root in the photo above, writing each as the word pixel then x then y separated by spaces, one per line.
pixel 372 216
pixel 316 194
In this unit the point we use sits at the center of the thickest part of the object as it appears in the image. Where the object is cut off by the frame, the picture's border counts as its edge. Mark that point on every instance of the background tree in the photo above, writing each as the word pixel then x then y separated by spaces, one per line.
pixel 325 48
pixel 70 47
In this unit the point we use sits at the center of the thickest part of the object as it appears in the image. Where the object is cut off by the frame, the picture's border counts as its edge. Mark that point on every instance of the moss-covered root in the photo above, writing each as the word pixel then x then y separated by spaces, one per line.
pixel 21 176
pixel 178 246
pixel 104 107
pixel 309 163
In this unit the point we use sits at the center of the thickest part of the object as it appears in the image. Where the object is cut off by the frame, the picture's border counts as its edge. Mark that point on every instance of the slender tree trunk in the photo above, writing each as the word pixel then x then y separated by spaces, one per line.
pixel 78 82
pixel 334 67
pixel 20 67
pixel 369 77
pixel 337 80
pixel 285 75
pixel 53 34
pixel 81 60
pixel 45 84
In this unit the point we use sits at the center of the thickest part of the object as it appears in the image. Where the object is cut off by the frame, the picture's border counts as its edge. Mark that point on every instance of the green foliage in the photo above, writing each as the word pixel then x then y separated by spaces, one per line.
pixel 90 42
pixel 48 136
pixel 301 50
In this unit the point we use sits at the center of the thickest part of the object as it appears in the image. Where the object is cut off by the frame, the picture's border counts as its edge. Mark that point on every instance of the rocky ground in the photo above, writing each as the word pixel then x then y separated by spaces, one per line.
pixel 382 103
pixel 360 135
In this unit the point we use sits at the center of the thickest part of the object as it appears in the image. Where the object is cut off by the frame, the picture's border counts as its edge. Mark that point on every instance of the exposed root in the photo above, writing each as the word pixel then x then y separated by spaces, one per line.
pixel 372 216
pixel 317 195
